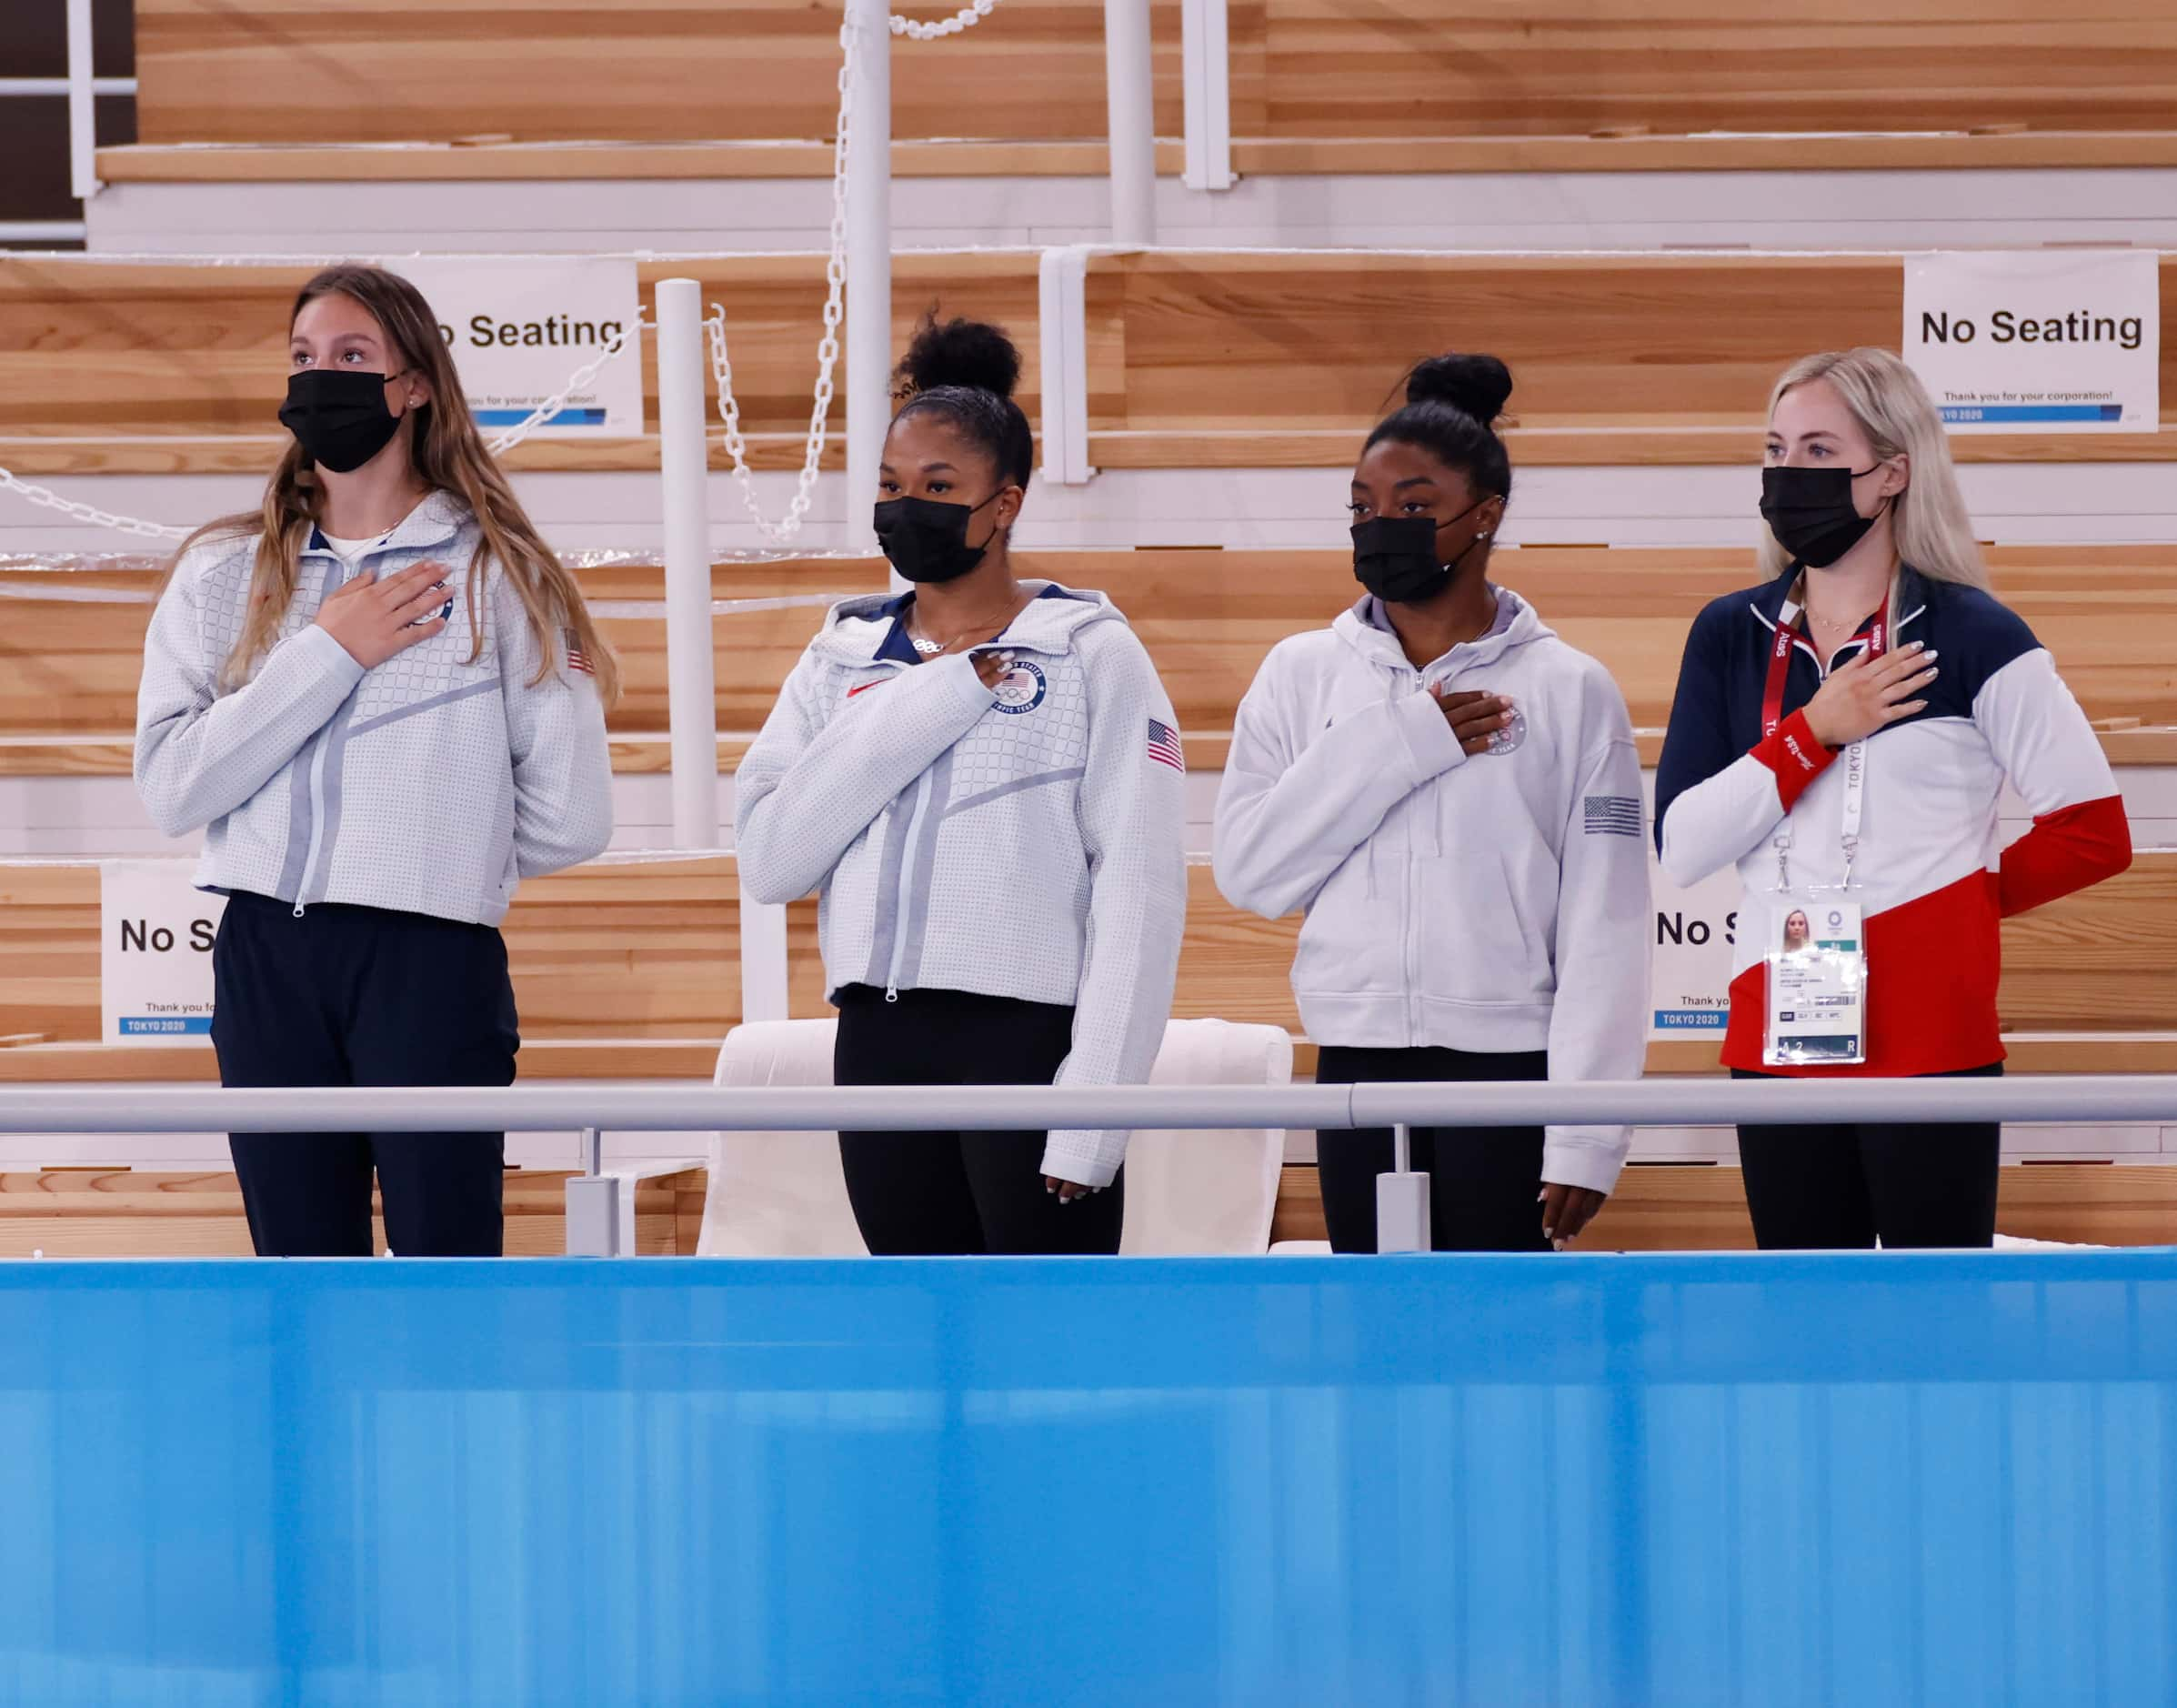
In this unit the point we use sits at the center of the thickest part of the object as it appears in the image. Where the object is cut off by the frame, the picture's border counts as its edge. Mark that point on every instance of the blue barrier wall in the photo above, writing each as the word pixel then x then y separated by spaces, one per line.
pixel 1732 1479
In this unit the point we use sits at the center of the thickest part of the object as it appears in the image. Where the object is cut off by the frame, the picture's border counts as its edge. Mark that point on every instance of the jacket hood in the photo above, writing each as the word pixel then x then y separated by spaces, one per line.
pixel 1517 625
pixel 856 631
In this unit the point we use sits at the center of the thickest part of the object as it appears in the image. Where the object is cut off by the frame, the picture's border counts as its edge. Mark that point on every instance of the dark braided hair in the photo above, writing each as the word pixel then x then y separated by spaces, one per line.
pixel 1452 403
pixel 965 372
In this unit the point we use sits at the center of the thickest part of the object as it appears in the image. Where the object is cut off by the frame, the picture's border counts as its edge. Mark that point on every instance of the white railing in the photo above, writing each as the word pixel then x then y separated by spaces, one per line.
pixel 594 1221
pixel 83 88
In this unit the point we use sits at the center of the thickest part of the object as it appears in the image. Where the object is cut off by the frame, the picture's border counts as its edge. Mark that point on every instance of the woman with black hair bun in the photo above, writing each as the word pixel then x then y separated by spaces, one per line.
pixel 1453 795
pixel 983 776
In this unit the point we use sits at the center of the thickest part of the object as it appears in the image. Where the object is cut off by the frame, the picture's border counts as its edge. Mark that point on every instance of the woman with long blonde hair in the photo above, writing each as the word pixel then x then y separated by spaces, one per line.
pixel 1842 734
pixel 382 699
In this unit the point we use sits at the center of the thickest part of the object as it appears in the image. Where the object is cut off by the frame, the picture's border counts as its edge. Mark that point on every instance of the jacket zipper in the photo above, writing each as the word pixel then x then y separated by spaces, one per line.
pixel 317 824
pixel 899 899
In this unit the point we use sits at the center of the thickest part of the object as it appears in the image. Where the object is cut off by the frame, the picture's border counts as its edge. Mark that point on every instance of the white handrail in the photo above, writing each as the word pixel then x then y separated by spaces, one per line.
pixel 17 86
pixel 619 1106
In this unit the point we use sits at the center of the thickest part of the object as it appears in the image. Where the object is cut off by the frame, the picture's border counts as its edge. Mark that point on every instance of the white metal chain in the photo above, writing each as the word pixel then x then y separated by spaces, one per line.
pixel 828 346
pixel 91 516
pixel 967 17
pixel 580 377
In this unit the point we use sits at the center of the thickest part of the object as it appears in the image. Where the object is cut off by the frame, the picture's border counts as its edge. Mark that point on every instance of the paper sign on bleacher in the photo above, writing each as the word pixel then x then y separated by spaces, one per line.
pixel 2026 341
pixel 1691 977
pixel 519 328
pixel 155 952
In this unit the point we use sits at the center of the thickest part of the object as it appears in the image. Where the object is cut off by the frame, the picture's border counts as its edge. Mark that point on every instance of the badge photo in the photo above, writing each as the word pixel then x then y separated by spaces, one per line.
pixel 1021 689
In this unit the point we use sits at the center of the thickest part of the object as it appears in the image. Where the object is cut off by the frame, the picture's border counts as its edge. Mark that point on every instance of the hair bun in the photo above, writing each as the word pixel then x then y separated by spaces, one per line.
pixel 971 353
pixel 1481 386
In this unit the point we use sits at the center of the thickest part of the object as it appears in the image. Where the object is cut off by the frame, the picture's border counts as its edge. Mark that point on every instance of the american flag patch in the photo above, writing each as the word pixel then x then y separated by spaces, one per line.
pixel 1164 746
pixel 577 659
pixel 1614 815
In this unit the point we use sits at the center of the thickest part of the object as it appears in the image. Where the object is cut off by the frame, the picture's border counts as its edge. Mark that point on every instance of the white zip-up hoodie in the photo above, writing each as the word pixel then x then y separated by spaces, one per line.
pixel 1495 904
pixel 1027 842
pixel 433 783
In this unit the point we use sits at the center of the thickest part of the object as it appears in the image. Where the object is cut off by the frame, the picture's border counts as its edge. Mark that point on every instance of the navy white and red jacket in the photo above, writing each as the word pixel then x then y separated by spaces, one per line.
pixel 1933 879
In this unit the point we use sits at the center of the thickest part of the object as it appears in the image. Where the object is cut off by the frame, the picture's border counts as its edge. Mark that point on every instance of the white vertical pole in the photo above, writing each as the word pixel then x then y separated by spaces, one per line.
pixel 82 112
pixel 691 689
pixel 1129 98
pixel 1206 74
pixel 868 260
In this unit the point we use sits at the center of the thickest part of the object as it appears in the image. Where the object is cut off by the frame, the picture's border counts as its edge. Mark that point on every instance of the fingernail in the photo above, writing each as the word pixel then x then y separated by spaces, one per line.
pixel 1548 1231
pixel 1541 1195
pixel 1933 673
pixel 1933 655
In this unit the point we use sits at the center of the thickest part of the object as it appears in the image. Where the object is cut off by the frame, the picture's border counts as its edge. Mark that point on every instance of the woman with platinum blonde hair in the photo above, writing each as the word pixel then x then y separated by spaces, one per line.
pixel 1817 745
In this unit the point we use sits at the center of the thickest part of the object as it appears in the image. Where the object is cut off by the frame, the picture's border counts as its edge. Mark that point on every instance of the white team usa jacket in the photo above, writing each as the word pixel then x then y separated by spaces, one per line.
pixel 1494 903
pixel 1026 842
pixel 432 784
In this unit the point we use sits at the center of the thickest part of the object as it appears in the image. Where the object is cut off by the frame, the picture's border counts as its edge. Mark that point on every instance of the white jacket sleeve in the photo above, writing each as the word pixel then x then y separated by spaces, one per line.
pixel 1133 816
pixel 816 775
pixel 201 754
pixel 1605 926
pixel 1287 816
pixel 556 738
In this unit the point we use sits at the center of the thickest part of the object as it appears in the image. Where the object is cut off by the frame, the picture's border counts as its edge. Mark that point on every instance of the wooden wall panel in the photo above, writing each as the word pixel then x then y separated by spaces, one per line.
pixel 1501 67
pixel 318 71
pixel 1208 617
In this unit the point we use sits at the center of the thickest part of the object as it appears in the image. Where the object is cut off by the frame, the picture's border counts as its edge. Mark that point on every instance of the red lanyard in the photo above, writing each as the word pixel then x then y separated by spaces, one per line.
pixel 1779 657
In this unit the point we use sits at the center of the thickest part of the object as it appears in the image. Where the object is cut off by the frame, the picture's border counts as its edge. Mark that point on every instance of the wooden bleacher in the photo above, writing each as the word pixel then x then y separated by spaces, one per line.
pixel 110 367
pixel 1415 85
pixel 647 954
pixel 121 367
pixel 68 670
pixel 1656 359
pixel 631 971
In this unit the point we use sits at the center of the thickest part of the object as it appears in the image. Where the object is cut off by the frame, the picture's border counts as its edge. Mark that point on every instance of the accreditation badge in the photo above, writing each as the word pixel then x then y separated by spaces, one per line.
pixel 1817 987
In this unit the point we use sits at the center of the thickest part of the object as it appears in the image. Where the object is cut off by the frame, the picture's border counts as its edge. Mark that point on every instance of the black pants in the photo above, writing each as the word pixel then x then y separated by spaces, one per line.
pixel 1834 1188
pixel 360 996
pixel 940 1193
pixel 1483 1181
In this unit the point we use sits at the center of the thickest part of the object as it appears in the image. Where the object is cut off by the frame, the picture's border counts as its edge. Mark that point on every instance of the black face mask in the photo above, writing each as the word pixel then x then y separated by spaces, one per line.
pixel 926 540
pixel 339 416
pixel 1811 513
pixel 1394 556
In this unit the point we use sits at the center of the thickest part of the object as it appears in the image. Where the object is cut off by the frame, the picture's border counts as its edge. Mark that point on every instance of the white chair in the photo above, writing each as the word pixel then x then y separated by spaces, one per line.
pixel 783 1194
